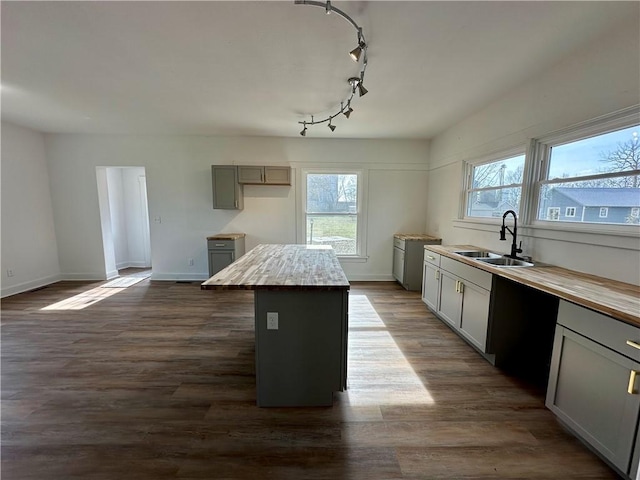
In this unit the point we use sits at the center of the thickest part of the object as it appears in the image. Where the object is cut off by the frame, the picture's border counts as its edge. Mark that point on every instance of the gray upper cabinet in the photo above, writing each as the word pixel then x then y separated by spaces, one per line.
pixel 592 384
pixel 227 192
pixel 257 175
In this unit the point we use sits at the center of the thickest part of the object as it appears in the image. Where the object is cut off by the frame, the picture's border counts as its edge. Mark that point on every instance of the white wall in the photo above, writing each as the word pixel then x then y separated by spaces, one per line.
pixel 29 246
pixel 178 174
pixel 595 81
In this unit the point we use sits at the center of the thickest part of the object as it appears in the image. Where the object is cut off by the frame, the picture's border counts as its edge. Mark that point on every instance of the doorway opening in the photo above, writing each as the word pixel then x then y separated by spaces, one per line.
pixel 124 218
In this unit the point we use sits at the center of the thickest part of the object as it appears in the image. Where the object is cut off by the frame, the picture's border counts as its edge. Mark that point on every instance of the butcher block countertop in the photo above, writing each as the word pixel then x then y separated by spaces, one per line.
pixel 282 267
pixel 417 236
pixel 226 236
pixel 610 297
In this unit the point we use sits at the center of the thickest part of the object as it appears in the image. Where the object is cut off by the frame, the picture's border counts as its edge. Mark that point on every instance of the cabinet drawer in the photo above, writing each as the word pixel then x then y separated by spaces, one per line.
pixel 432 257
pixel 220 244
pixel 605 330
pixel 468 273
pixel 399 243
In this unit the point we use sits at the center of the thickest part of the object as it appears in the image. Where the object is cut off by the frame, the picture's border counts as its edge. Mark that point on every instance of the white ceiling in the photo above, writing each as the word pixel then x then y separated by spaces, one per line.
pixel 257 68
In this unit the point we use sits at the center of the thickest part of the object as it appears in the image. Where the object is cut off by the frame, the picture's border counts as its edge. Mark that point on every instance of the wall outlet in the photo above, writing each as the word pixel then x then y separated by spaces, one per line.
pixel 158 219
pixel 191 262
pixel 10 274
pixel 272 320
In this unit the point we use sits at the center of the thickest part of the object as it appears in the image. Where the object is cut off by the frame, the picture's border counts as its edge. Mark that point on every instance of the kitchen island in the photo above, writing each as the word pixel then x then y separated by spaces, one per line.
pixel 301 322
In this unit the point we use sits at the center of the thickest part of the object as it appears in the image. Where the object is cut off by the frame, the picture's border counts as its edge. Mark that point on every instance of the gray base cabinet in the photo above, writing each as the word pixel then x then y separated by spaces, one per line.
pixel 460 295
pixel 223 253
pixel 592 383
pixel 407 261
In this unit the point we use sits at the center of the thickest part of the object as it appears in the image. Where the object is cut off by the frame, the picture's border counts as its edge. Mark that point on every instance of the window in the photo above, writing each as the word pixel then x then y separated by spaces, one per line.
pixel 494 186
pixel 553 213
pixel 570 212
pixel 332 210
pixel 598 172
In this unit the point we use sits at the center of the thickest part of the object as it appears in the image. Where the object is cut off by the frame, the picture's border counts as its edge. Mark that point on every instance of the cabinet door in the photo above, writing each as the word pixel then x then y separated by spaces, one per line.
pixel 219 260
pixel 250 174
pixel 450 299
pixel 431 286
pixel 474 319
pixel 226 191
pixel 398 264
pixel 277 175
pixel 589 391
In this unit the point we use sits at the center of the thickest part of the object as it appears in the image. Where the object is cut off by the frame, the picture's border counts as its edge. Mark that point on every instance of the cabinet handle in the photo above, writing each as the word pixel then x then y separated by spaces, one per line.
pixel 461 288
pixel 633 344
pixel 235 204
pixel 219 244
pixel 436 274
pixel 632 382
pixel 431 257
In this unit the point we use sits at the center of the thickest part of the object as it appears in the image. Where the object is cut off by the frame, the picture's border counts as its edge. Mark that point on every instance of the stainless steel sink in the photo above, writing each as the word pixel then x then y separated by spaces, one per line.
pixel 478 254
pixel 505 262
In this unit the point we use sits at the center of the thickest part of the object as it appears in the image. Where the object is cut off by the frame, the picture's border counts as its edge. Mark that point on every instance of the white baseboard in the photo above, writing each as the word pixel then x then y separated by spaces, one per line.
pixel 26 286
pixel 132 264
pixel 179 277
pixel 370 278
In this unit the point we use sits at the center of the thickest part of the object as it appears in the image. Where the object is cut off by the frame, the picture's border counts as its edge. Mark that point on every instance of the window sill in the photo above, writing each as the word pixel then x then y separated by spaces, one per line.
pixel 600 235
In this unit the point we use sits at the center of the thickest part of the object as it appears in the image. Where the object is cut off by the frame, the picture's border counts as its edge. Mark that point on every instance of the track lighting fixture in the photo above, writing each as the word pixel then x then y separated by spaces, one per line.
pixel 357 54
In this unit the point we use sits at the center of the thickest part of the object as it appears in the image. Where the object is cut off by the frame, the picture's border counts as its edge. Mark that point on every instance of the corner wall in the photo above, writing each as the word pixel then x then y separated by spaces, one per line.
pixel 29 247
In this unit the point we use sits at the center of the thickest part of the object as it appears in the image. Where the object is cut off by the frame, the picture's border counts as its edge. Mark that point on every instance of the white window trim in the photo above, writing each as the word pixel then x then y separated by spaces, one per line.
pixel 607 235
pixel 549 216
pixel 570 212
pixel 605 211
pixel 363 187
pixel 467 172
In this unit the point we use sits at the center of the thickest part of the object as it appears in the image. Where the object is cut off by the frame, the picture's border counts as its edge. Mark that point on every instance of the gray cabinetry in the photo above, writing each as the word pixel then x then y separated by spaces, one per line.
pixel 223 252
pixel 227 192
pixel 408 252
pixel 460 295
pixel 258 175
pixel 431 280
pixel 592 383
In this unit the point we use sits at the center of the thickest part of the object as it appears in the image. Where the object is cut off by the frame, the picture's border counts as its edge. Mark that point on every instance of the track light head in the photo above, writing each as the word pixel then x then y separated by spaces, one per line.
pixel 327 7
pixel 355 53
pixel 304 130
pixel 332 127
pixel 347 112
pixel 361 90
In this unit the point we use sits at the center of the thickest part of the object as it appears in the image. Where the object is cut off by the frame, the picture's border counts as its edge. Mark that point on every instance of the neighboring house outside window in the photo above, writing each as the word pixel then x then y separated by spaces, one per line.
pixel 592 177
pixel 596 205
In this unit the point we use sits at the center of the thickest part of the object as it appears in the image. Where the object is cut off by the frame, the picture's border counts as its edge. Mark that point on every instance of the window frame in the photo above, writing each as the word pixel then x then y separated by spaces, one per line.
pixel 495 157
pixel 360 214
pixel 538 163
pixel 604 212
pixel 602 234
pixel 570 215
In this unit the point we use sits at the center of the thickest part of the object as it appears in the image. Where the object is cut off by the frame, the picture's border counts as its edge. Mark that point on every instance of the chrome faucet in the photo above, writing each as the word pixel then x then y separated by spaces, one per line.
pixel 515 250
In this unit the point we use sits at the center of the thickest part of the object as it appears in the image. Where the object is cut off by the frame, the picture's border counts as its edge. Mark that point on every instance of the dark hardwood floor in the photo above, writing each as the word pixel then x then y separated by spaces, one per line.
pixel 157 381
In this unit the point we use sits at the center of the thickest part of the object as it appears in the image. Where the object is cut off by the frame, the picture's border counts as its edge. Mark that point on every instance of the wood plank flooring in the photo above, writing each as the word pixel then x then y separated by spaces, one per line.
pixel 158 381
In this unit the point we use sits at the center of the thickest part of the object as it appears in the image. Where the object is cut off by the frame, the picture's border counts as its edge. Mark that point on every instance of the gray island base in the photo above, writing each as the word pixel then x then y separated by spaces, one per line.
pixel 301 321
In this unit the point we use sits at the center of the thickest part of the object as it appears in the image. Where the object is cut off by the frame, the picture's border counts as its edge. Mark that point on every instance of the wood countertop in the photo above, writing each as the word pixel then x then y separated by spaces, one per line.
pixel 227 236
pixel 610 297
pixel 282 267
pixel 417 236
